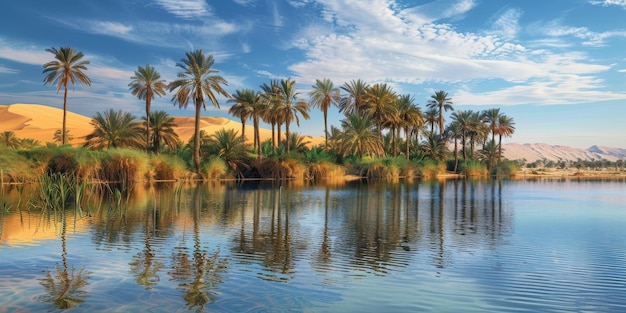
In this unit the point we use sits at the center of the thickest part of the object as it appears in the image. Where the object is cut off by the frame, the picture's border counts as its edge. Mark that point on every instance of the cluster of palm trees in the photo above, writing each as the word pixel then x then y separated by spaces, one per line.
pixel 376 117
pixel 378 121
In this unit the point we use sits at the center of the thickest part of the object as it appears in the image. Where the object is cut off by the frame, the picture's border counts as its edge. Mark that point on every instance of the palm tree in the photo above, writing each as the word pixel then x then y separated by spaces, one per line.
pixel 67 68
pixel 434 147
pixel 162 126
pixel 411 118
pixel 242 108
pixel 270 94
pixel 354 101
pixel 491 117
pixel 431 116
pixel 454 131
pixel 489 154
pixel 29 143
pixel 506 128
pixel 197 81
pixel 114 129
pixel 145 84
pixel 298 142
pixel 324 95
pixel 57 137
pixel 380 104
pixel 441 102
pixel 289 109
pixel 359 136
pixel 10 140
pixel 465 126
pixel 228 146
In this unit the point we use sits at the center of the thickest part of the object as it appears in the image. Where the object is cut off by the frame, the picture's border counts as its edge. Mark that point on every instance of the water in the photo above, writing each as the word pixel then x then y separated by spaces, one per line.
pixel 436 246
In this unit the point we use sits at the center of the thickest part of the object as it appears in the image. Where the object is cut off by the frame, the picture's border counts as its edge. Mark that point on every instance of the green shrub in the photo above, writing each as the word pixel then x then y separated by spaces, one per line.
pixel 472 168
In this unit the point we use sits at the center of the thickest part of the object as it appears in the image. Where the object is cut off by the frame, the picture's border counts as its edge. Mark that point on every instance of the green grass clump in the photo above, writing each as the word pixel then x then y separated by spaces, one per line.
pixel 505 168
pixel 430 169
pixel 166 167
pixel 215 168
pixel 472 168
pixel 122 166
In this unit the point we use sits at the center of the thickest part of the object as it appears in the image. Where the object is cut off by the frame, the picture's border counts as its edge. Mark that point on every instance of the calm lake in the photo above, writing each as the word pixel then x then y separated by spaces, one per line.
pixel 544 245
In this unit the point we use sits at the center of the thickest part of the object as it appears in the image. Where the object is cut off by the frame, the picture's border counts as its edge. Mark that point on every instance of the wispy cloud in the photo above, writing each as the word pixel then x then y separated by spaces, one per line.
pixel 507 24
pixel 160 34
pixel 186 9
pixel 459 8
pixel 621 3
pixel 7 70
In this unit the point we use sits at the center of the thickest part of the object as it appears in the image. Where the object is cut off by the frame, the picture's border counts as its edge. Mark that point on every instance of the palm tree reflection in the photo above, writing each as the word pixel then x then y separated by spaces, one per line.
pixel 199 276
pixel 145 266
pixel 65 286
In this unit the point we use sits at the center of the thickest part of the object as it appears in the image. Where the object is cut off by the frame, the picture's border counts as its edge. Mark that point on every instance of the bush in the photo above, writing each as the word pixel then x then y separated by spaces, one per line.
pixel 214 168
pixel 472 168
pixel 505 168
pixel 430 169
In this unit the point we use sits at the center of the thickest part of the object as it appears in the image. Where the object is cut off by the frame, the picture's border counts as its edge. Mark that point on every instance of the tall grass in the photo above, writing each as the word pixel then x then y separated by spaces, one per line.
pixel 472 168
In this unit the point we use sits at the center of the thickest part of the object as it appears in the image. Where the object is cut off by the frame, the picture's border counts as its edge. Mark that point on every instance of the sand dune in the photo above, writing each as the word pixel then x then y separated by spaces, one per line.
pixel 40 122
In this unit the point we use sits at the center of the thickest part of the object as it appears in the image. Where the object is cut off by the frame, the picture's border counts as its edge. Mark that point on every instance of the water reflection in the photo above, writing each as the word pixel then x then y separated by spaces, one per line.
pixel 197 239
pixel 65 286
pixel 197 272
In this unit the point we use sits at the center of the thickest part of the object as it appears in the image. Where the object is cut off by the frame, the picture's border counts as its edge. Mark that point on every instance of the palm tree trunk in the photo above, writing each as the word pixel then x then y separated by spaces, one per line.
pixel 287 135
pixel 196 139
pixel 64 113
pixel 408 141
pixel 148 123
pixel 257 138
pixel 499 147
pixel 325 129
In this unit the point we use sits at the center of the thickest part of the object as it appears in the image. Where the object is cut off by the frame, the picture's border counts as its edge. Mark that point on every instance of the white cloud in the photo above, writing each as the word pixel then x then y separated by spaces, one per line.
pixel 459 8
pixel 507 24
pixel 621 3
pixel 245 2
pixel 376 42
pixel 156 33
pixel 7 70
pixel 186 9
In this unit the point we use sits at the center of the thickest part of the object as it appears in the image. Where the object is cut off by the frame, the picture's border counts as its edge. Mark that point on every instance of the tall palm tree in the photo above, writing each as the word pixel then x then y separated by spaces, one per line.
pixel 354 101
pixel 323 96
pixel 271 99
pixel 380 102
pixel 506 128
pixel 411 118
pixel 359 136
pixel 145 84
pixel 465 127
pixel 163 134
pixel 454 131
pixel 442 103
pixel 491 117
pixel 291 107
pixel 197 82
pixel 242 107
pixel 66 69
pixel 114 129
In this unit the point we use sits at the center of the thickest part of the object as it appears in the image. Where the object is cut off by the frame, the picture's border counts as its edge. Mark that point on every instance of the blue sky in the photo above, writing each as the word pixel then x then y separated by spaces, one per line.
pixel 557 67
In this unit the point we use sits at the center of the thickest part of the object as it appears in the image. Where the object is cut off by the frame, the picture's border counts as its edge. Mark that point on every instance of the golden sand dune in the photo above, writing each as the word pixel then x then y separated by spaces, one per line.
pixel 39 122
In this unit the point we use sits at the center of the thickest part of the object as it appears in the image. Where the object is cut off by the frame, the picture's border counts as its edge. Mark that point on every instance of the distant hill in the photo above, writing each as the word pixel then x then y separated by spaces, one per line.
pixel 539 151
pixel 40 122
